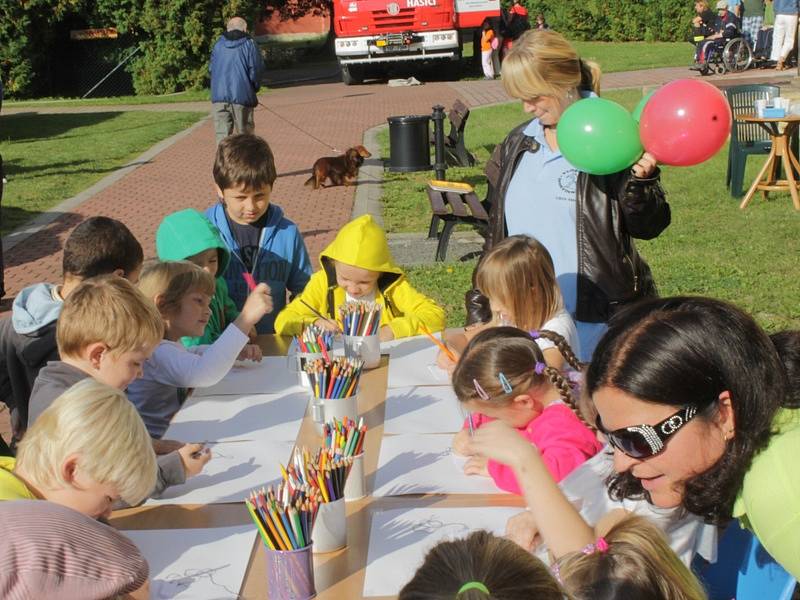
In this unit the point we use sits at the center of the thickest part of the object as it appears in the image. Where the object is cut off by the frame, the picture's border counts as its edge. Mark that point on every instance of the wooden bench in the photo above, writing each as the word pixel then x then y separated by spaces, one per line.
pixel 453 203
pixel 455 151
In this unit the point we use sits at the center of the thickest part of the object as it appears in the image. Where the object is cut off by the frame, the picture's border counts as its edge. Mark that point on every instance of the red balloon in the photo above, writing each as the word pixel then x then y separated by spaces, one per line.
pixel 685 122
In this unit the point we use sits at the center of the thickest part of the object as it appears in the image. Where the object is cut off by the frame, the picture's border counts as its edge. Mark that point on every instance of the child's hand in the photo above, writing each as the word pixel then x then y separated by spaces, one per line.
pixel 252 334
pixel 194 457
pixel 166 446
pixel 477 465
pixel 327 325
pixel 258 304
pixel 522 530
pixel 461 443
pixel 445 363
pixel 250 352
pixel 386 334
pixel 502 443
pixel 645 167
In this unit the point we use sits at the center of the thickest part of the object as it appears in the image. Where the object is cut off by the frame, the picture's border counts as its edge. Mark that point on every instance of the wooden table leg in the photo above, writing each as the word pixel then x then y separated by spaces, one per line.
pixel 767 165
pixel 793 163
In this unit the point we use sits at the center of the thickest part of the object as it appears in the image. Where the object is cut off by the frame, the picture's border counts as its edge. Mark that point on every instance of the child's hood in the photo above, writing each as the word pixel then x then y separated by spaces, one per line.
pixel 362 243
pixel 34 307
pixel 186 233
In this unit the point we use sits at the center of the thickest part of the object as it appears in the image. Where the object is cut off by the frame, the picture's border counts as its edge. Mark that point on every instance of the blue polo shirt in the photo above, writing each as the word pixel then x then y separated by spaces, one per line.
pixel 540 203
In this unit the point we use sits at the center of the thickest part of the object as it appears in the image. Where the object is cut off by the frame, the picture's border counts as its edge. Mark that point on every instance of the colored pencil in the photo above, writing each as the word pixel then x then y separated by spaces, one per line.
pixel 337 378
pixel 360 318
pixel 441 345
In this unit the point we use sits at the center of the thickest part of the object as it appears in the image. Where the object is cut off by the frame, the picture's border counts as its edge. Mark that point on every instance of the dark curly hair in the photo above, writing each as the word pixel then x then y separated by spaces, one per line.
pixel 685 350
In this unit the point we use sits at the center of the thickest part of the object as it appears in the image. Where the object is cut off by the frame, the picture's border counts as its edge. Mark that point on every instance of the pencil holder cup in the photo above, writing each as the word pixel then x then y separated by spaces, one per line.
pixel 290 574
pixel 330 527
pixel 339 408
pixel 302 358
pixel 365 347
pixel 355 486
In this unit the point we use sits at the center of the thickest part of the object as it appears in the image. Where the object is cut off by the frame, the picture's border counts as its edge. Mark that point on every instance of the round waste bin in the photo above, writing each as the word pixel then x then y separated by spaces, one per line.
pixel 409 143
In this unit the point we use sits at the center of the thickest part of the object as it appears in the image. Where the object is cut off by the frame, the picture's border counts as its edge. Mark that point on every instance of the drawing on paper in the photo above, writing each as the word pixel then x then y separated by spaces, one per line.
pixel 176 585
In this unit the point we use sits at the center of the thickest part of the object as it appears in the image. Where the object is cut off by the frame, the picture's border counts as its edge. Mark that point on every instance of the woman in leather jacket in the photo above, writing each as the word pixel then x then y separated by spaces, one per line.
pixel 586 222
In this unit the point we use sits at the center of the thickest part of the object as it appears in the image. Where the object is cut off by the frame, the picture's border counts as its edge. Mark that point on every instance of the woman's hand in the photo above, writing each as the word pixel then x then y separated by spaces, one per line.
pixel 502 443
pixel 477 465
pixel 645 167
pixel 522 530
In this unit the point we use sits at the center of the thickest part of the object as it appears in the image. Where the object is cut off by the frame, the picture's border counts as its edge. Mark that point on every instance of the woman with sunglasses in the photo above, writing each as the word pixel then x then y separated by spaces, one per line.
pixel 696 404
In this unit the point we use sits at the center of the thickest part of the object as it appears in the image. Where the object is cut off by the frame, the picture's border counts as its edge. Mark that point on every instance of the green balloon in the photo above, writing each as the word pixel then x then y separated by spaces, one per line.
pixel 598 136
pixel 637 112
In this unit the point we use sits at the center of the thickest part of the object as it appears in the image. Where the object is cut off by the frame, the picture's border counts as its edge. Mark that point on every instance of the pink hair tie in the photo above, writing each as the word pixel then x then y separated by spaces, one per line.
pixel 601 546
pixel 534 334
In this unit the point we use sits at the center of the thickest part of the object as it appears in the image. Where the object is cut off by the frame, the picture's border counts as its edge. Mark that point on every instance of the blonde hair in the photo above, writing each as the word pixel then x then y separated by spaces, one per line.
pixel 544 63
pixel 638 564
pixel 519 273
pixel 169 281
pixel 111 310
pixel 100 425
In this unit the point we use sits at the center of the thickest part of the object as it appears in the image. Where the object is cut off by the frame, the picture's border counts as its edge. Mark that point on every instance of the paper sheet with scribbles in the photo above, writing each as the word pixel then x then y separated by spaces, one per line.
pixel 425 464
pixel 190 564
pixel 400 538
pixel 412 361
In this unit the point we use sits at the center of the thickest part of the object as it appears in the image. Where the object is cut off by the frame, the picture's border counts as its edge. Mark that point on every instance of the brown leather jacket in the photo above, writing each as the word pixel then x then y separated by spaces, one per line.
pixel 611 209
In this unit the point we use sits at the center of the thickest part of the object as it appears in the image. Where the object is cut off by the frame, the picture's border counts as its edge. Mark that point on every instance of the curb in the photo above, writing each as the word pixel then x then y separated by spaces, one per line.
pixel 368 196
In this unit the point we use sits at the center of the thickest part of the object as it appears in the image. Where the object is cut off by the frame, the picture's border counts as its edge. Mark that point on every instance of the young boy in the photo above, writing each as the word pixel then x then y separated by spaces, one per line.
pixel 188 235
pixel 359 266
pixel 98 246
pixel 261 240
pixel 106 331
pixel 86 451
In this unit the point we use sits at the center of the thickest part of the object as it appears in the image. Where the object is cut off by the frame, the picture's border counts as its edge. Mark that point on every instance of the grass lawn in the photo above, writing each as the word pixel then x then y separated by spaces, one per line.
pixel 631 56
pixel 711 248
pixel 190 96
pixel 49 158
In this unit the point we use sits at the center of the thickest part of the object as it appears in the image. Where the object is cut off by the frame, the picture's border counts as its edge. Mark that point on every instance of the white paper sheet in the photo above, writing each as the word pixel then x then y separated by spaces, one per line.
pixel 272 375
pixel 194 564
pixel 425 464
pixel 235 468
pixel 275 417
pixel 412 361
pixel 422 409
pixel 400 538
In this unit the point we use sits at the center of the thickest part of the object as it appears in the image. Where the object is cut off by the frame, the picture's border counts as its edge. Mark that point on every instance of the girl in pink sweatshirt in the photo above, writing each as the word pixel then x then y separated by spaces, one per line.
pixel 502 375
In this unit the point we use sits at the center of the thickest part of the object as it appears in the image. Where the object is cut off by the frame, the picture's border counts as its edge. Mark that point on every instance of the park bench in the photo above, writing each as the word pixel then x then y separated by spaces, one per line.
pixel 456 153
pixel 453 203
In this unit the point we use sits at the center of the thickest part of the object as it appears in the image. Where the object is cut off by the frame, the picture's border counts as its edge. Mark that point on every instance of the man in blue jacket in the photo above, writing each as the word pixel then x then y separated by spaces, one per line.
pixel 236 68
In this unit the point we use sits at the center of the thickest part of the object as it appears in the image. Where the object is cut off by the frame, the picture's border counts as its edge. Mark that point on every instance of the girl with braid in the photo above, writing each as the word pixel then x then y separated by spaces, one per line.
pixel 502 376
pixel 518 286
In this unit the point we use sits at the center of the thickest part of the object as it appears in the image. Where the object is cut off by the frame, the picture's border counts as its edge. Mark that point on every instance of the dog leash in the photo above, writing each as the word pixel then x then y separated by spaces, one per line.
pixel 300 129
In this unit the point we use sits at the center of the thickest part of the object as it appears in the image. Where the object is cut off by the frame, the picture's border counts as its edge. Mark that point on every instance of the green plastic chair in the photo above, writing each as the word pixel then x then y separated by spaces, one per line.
pixel 746 138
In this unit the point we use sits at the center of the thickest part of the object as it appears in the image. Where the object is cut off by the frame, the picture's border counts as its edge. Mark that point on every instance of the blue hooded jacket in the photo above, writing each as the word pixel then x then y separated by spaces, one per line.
pixel 34 308
pixel 282 261
pixel 236 68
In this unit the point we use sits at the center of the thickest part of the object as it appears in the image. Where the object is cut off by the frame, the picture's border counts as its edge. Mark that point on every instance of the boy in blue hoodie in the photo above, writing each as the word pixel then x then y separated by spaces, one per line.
pixel 260 239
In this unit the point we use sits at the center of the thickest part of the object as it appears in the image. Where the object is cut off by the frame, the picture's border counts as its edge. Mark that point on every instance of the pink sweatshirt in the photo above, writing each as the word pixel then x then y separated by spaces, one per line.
pixel 563 441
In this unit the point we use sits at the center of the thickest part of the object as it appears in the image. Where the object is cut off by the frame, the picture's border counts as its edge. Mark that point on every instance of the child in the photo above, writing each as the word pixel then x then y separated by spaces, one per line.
pixel 182 292
pixel 502 375
pixel 518 279
pixel 97 246
pixel 359 266
pixel 106 331
pixel 261 240
pixel 481 566
pixel 85 452
pixel 188 235
pixel 487 48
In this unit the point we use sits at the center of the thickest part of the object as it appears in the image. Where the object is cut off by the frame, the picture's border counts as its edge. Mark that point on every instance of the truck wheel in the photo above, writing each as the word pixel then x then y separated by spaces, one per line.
pixel 352 74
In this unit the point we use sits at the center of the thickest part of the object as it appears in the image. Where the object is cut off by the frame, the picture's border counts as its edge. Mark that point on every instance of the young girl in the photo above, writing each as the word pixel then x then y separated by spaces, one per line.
pixel 182 292
pixel 502 375
pixel 518 279
pixel 487 38
pixel 480 567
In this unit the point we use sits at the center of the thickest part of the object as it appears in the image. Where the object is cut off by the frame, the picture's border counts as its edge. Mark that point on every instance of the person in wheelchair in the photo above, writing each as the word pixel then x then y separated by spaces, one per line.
pixel 727 26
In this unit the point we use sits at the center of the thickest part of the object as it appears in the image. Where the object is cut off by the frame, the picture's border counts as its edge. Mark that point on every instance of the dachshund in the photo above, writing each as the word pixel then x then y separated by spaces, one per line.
pixel 341 170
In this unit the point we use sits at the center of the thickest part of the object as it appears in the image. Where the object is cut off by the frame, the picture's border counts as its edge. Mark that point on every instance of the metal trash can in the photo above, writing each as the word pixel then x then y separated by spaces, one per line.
pixel 409 143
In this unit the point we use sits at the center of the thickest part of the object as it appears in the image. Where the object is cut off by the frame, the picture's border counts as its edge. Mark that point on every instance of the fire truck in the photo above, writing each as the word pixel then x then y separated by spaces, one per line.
pixel 370 35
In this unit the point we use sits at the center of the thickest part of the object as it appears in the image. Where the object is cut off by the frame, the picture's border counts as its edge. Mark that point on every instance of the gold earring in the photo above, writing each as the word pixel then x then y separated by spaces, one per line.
pixel 728 435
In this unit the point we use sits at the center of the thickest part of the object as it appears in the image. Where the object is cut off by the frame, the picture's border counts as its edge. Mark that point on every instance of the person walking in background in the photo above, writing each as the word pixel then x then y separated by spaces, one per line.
pixel 488 44
pixel 784 32
pixel 236 68
pixel 753 20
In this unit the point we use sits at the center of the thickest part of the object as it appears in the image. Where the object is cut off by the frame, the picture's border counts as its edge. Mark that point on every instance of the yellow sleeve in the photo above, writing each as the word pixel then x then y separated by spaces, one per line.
pixel 416 309
pixel 296 315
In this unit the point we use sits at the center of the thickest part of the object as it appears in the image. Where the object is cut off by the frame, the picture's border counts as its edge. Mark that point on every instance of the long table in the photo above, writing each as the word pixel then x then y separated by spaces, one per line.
pixel 338 575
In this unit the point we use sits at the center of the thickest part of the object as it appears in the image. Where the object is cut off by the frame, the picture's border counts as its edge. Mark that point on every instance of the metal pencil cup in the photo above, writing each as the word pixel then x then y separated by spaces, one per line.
pixel 339 408
pixel 355 486
pixel 304 358
pixel 365 347
pixel 290 574
pixel 330 527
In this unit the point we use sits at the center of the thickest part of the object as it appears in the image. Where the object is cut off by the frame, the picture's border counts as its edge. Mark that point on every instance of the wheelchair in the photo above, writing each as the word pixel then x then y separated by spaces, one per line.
pixel 732 56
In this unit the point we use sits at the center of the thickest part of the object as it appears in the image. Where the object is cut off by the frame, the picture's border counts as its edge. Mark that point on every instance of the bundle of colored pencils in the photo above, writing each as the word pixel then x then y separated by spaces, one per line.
pixel 360 317
pixel 285 519
pixel 345 438
pixel 323 475
pixel 335 379
pixel 315 340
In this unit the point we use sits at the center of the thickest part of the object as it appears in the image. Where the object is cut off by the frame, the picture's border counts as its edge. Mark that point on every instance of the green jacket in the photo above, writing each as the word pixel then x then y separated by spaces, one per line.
pixel 183 234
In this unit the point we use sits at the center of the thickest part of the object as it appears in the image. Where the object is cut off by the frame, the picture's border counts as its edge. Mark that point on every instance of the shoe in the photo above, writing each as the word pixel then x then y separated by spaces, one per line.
pixel 779 66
